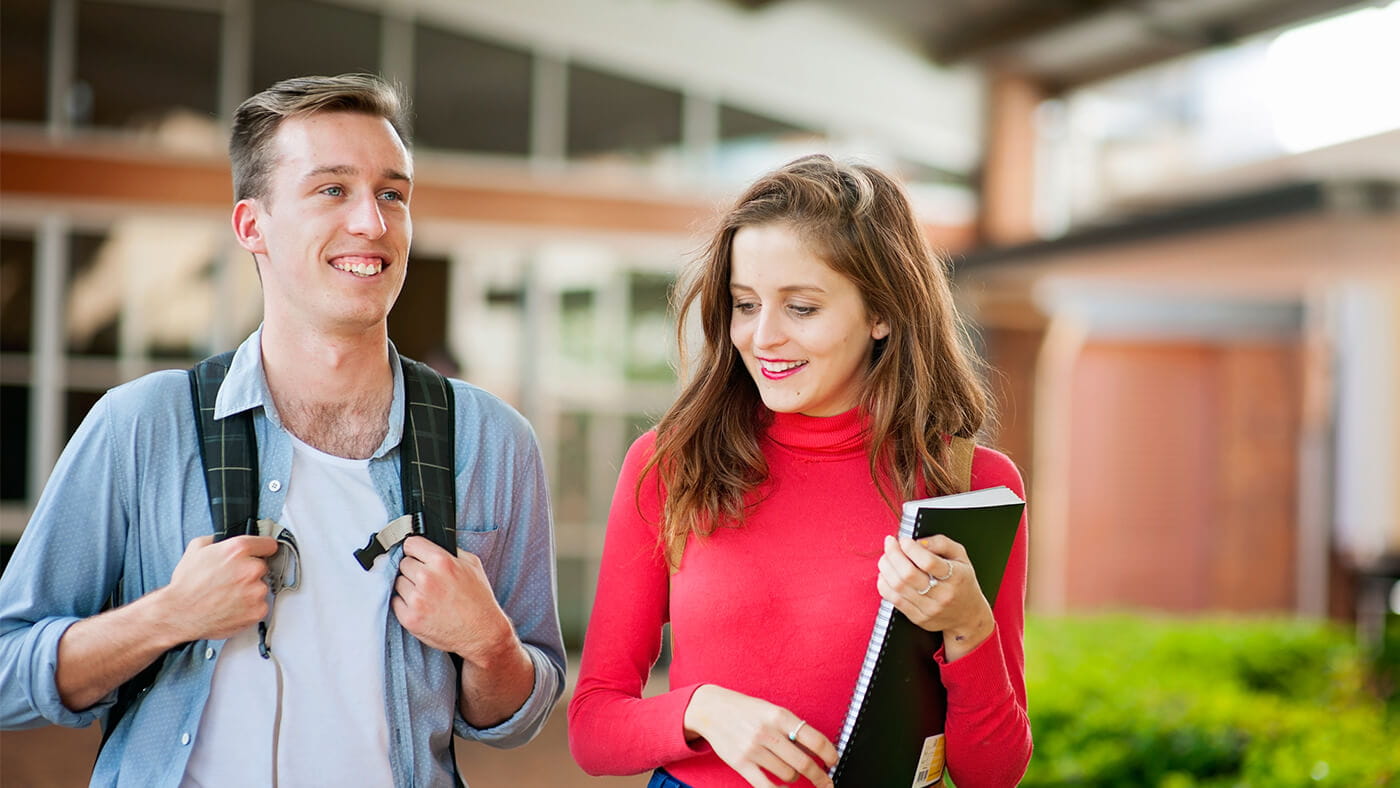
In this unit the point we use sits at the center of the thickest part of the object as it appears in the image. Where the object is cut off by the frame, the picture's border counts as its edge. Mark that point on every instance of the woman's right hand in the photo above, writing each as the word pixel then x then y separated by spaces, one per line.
pixel 751 734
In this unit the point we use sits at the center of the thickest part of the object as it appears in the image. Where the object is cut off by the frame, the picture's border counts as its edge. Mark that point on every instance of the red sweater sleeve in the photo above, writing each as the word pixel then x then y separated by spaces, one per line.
pixel 612 729
pixel 988 734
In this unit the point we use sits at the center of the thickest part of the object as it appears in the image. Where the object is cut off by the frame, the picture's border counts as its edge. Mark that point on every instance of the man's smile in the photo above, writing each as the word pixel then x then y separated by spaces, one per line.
pixel 359 265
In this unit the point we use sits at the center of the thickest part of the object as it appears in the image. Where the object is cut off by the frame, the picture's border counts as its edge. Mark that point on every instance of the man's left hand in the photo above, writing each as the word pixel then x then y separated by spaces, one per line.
pixel 446 602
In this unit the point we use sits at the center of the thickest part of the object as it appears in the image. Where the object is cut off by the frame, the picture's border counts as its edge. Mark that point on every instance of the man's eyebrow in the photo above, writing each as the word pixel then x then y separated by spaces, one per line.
pixel 343 170
pixel 331 169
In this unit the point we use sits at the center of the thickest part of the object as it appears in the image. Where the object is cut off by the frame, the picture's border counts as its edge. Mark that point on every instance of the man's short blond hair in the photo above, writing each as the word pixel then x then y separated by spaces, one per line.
pixel 256 121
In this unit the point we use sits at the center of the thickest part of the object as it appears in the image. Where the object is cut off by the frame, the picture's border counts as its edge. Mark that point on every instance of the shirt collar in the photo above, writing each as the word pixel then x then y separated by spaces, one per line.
pixel 245 387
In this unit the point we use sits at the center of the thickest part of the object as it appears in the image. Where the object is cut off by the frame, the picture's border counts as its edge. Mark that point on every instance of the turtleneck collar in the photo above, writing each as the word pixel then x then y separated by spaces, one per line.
pixel 831 437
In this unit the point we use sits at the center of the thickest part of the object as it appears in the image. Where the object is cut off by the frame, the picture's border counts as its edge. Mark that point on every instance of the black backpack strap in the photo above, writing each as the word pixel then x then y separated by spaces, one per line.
pixel 427 453
pixel 428 470
pixel 229 450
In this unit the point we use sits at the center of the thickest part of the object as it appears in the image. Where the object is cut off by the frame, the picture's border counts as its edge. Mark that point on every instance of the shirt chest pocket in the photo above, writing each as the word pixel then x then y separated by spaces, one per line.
pixel 481 540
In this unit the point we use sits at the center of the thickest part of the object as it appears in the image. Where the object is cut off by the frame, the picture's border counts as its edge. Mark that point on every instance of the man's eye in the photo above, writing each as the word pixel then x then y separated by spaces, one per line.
pixel 391 196
pixel 333 191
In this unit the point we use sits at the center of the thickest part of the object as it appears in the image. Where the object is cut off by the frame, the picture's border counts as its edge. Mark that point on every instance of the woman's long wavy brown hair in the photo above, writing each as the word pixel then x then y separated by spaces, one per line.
pixel 922 383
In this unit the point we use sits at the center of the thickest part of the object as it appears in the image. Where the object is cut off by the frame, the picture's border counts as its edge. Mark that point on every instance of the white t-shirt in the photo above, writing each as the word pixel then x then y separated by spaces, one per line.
pixel 328 639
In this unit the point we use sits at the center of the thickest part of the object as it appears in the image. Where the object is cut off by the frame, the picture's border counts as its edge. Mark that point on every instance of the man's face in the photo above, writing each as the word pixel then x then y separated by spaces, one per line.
pixel 332 233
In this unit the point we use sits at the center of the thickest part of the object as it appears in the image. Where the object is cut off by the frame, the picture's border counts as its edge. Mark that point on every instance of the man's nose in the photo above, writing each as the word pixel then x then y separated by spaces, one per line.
pixel 366 219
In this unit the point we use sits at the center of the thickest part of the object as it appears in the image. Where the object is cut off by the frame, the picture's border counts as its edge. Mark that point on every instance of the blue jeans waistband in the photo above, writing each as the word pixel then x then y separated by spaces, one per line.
pixel 663 779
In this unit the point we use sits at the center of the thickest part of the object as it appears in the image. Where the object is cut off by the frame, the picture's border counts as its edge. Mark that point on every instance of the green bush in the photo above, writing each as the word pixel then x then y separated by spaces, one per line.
pixel 1132 701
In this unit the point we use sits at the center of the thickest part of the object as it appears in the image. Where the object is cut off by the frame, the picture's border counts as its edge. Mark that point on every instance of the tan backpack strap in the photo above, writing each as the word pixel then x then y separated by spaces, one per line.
pixel 960 462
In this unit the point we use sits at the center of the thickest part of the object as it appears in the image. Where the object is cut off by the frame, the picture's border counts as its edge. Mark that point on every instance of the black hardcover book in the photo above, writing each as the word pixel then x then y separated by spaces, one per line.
pixel 893 733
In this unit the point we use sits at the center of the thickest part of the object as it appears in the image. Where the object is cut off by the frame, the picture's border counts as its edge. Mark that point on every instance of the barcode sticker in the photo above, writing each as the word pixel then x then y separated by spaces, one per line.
pixel 930 770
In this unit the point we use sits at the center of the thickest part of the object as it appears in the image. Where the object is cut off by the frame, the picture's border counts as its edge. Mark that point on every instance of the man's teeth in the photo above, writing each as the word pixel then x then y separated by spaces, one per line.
pixel 360 269
pixel 781 366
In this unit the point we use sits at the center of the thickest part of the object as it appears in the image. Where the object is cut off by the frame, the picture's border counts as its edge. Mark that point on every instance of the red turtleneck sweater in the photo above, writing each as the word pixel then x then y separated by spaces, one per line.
pixel 780 609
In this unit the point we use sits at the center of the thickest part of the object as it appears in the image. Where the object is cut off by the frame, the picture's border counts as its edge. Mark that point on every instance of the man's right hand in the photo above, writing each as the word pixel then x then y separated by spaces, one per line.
pixel 215 591
pixel 218 589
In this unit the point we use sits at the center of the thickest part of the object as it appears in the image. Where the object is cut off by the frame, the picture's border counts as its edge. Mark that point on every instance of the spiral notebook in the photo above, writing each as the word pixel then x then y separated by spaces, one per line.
pixel 893 732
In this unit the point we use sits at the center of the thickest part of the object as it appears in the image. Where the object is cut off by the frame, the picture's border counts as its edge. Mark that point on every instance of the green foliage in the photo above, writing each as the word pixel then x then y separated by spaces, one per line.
pixel 1132 701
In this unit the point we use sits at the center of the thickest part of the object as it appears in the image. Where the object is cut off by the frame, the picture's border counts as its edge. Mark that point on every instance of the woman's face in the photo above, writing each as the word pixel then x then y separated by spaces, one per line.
pixel 801 327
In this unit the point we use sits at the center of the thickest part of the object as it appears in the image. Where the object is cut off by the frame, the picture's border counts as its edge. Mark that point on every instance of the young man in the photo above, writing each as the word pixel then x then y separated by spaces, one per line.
pixel 359 685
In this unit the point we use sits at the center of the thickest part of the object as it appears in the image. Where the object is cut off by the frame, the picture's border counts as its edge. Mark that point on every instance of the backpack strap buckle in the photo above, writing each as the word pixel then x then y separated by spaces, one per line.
pixel 284 566
pixel 393 533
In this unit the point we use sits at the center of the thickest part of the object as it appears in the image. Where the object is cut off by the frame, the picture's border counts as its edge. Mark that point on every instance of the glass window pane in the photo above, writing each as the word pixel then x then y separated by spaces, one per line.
pixel 93 296
pixel 24 59
pixel 14 460
pixel 573 575
pixel 16 293
pixel 578 336
pixel 76 404
pixel 470 94
pixel 570 494
pixel 611 114
pixel 137 64
pixel 418 321
pixel 735 123
pixel 650 328
pixel 294 38
pixel 150 287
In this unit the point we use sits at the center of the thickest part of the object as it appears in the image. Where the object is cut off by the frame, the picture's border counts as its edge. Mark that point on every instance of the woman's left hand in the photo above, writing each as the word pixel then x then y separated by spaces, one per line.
pixel 932 582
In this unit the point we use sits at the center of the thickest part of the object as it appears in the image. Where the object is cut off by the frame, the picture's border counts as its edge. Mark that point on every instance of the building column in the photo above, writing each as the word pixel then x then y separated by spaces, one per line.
pixel 1009 164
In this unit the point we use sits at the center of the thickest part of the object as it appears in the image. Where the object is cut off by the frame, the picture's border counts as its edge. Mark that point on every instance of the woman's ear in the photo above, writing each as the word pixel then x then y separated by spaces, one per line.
pixel 879 329
pixel 246 216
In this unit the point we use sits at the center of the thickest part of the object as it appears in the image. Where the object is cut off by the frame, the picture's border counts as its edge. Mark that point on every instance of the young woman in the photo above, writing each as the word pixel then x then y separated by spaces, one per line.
pixel 759 517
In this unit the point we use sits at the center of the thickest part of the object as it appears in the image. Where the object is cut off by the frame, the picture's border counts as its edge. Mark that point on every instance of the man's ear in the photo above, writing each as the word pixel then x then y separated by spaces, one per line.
pixel 247 215
pixel 879 329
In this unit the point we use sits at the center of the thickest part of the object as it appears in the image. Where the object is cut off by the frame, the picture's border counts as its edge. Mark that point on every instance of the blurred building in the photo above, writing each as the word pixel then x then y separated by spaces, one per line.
pixel 1190 303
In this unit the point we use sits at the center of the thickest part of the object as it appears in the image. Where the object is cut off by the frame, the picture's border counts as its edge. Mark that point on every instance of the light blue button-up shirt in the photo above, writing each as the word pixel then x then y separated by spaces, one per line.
pixel 128 494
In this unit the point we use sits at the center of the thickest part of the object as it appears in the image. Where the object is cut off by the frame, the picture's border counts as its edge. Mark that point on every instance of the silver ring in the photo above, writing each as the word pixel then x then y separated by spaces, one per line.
pixel 792 737
pixel 932 581
pixel 945 577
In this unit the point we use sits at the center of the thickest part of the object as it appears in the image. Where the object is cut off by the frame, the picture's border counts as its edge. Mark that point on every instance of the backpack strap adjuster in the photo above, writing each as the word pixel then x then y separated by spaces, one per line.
pixel 393 533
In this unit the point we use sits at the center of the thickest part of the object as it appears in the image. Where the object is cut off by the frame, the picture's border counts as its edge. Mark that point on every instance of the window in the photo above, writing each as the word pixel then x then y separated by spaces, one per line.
pixel 612 114
pixel 137 64
pixel 735 123
pixel 471 95
pixel 418 322
pixel 296 38
pixel 578 334
pixel 14 425
pixel 24 59
pixel 92 295
pixel 649 333
pixel 16 293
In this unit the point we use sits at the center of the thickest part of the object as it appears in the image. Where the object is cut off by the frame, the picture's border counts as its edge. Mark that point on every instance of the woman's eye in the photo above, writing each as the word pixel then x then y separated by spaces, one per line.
pixel 803 311
pixel 745 307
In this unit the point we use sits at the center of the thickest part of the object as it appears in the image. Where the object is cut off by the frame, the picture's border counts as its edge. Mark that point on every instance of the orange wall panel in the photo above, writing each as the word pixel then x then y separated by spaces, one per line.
pixel 1183 477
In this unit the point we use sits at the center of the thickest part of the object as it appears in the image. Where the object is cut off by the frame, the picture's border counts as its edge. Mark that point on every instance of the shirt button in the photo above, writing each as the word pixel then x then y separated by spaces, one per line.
pixel 274 485
pixel 209 653
pixel 184 738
